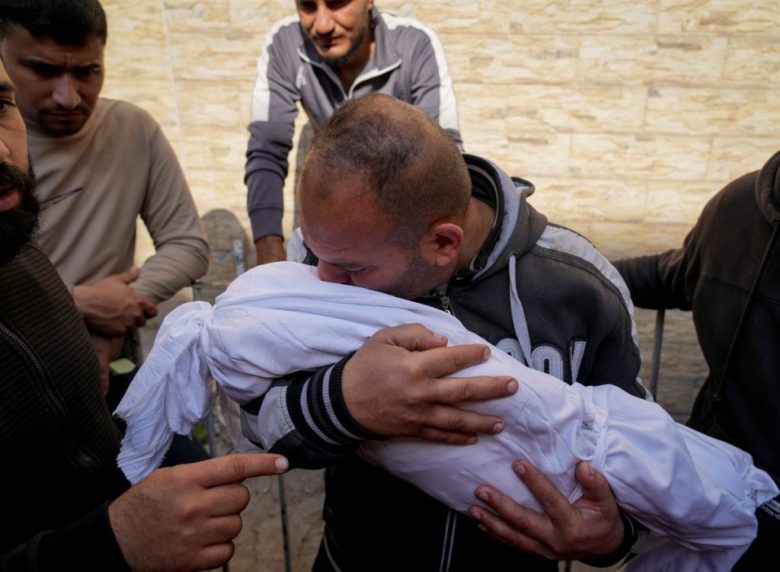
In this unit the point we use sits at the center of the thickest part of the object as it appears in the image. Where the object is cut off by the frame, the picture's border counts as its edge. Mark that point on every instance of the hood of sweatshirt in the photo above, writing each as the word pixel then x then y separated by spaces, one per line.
pixel 517 225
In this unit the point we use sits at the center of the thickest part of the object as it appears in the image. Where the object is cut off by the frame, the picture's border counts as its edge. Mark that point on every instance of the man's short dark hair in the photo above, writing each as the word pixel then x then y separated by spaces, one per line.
pixel 414 171
pixel 69 22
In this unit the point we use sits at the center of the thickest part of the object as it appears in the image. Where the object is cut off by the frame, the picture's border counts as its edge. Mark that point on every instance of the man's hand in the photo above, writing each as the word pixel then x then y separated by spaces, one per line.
pixel 396 385
pixel 589 528
pixel 110 307
pixel 185 517
pixel 270 249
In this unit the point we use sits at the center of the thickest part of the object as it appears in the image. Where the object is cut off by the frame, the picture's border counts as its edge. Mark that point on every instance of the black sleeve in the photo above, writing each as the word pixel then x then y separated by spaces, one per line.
pixel 85 544
pixel 304 417
pixel 658 281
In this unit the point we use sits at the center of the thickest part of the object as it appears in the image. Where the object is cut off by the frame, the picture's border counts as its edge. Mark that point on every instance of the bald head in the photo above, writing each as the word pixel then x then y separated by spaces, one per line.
pixel 412 169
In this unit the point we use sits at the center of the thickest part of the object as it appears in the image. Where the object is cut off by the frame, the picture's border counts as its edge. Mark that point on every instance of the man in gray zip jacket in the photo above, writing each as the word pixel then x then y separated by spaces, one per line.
pixel 389 203
pixel 322 57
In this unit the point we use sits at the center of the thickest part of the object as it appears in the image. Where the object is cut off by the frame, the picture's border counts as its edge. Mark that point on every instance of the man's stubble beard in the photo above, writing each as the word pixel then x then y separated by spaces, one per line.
pixel 361 39
pixel 419 278
pixel 19 225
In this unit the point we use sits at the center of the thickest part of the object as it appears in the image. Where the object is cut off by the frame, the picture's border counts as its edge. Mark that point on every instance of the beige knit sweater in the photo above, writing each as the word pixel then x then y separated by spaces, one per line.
pixel 94 184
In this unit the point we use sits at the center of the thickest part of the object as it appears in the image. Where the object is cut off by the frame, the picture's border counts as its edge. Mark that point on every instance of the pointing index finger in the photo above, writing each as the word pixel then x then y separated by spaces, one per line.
pixel 236 468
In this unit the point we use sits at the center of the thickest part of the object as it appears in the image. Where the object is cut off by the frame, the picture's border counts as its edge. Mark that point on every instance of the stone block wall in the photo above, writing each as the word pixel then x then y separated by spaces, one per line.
pixel 627 116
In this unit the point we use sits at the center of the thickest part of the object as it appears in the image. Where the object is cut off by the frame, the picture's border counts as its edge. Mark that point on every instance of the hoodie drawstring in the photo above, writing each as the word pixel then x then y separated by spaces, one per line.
pixel 518 315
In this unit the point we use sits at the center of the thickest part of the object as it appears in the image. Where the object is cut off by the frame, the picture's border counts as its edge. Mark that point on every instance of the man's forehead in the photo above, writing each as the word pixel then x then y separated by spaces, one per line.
pixel 21 44
pixel 338 241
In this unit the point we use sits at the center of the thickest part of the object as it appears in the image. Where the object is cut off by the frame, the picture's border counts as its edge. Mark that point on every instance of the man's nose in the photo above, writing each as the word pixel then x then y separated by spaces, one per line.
pixel 330 273
pixel 323 22
pixel 66 93
pixel 5 151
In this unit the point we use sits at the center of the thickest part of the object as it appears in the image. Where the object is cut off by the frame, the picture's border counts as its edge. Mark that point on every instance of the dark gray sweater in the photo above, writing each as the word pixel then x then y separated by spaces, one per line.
pixel 57 437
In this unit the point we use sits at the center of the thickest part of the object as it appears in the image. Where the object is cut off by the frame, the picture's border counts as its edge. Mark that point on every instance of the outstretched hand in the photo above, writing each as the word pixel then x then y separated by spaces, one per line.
pixel 397 385
pixel 185 517
pixel 589 528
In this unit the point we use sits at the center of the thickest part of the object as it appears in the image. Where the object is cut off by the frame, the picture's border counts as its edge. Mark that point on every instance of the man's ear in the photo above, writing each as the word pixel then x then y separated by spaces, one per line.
pixel 442 243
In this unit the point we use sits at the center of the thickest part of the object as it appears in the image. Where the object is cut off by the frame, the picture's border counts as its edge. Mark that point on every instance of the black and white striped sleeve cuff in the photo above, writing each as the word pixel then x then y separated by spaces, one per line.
pixel 317 408
pixel 305 418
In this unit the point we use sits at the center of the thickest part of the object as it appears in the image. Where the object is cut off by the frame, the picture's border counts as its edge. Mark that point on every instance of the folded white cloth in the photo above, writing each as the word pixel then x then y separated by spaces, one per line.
pixel 278 319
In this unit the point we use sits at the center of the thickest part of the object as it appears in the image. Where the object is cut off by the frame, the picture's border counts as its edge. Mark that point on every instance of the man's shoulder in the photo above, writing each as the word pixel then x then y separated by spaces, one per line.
pixel 738 194
pixel 579 260
pixel 118 108
pixel 291 22
pixel 116 116
pixel 401 29
pixel 285 32
pixel 29 266
pixel 566 242
pixel 28 254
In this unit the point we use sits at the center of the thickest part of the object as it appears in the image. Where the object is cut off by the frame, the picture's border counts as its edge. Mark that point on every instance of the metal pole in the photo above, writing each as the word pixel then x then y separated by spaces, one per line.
pixel 239 259
pixel 655 365
pixel 285 531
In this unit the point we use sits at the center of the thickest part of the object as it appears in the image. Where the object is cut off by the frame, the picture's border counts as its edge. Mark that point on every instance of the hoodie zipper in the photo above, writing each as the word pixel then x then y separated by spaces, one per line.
pixel 448 542
pixel 446 304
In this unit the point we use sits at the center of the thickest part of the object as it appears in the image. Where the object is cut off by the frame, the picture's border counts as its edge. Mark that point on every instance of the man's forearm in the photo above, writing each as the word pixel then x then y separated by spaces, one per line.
pixel 171 268
pixel 651 280
pixel 270 248
pixel 266 171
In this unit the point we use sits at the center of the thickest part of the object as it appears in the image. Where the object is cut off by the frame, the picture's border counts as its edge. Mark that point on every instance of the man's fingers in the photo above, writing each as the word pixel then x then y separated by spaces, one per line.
pixel 220 529
pixel 130 275
pixel 594 485
pixel 447 437
pixel 446 361
pixel 508 520
pixel 461 421
pixel 413 337
pixel 521 518
pixel 214 555
pixel 554 504
pixel 235 468
pixel 478 388
pixel 149 309
pixel 586 529
pixel 226 499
